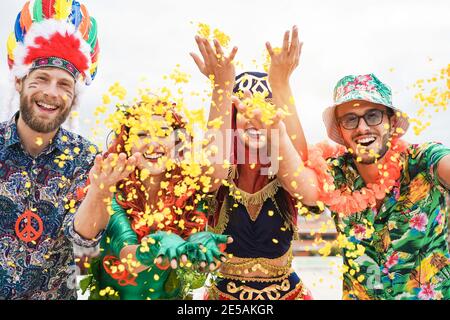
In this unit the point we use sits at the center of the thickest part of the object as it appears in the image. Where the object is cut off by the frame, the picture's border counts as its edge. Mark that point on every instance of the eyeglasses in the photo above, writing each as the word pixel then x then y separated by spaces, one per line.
pixel 372 118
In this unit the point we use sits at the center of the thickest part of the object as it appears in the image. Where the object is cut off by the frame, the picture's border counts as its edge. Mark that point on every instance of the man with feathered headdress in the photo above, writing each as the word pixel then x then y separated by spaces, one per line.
pixel 52 53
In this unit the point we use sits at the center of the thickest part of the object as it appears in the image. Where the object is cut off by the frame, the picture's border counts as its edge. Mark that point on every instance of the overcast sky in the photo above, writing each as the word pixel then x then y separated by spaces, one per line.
pixel 399 41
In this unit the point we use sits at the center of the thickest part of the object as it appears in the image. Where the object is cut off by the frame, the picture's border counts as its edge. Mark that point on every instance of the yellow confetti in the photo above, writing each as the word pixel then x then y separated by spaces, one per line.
pixel 39 141
pixel 433 92
pixel 221 37
pixel 321 205
pixel 106 99
pixel 204 30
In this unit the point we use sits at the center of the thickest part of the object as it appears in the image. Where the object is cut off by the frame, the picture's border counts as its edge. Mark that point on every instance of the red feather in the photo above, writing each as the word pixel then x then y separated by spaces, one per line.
pixel 10 62
pixel 48 8
pixel 66 47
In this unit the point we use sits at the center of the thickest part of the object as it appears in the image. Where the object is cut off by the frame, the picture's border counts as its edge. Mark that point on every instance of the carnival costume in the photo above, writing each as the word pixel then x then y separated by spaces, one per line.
pixel 261 264
pixel 38 195
pixel 398 250
pixel 54 33
pixel 111 277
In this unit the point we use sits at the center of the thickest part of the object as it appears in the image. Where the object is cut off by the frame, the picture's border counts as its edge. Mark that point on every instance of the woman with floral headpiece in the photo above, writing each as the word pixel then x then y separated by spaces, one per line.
pixel 157 218
pixel 256 203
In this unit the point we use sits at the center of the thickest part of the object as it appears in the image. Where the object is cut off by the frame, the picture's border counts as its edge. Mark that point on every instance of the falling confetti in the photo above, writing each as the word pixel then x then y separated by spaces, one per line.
pixel 433 95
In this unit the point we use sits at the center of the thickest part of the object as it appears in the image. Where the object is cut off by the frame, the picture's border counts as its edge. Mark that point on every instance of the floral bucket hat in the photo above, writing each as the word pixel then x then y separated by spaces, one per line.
pixel 361 87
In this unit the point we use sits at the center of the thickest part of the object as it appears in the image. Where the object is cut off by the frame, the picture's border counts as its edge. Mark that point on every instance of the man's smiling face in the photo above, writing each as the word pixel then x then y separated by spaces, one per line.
pixel 46 98
pixel 365 128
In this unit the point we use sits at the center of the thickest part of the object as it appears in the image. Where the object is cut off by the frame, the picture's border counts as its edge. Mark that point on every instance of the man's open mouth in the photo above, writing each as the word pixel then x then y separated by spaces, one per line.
pixel 365 141
pixel 46 107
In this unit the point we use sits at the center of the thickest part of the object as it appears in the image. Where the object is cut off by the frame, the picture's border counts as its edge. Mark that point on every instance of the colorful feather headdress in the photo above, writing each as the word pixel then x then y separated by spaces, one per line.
pixel 54 33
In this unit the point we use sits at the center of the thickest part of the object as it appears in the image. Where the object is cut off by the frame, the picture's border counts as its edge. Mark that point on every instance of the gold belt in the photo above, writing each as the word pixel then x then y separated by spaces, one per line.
pixel 245 267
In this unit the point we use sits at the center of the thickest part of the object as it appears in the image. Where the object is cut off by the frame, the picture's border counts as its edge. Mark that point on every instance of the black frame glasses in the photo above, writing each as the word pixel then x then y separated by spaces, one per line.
pixel 372 117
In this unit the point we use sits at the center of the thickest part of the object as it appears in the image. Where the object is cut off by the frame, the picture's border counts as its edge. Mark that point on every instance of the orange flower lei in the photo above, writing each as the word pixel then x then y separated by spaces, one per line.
pixel 347 202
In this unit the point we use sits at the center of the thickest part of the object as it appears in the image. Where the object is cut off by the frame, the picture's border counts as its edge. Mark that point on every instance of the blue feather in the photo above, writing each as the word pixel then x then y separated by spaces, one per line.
pixel 19 32
pixel 94 74
pixel 75 15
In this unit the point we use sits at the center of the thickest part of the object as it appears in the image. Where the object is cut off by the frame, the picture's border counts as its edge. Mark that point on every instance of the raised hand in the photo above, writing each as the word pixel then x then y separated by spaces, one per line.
pixel 284 62
pixel 207 244
pixel 214 63
pixel 106 173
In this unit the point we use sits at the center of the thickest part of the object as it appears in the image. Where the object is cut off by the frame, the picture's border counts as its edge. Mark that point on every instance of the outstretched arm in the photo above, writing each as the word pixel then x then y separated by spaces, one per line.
pixel 298 180
pixel 220 69
pixel 283 64
pixel 92 216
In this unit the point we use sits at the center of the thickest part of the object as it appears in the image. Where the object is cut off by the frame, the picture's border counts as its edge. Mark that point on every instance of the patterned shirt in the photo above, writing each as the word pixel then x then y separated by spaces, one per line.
pixel 39 194
pixel 401 250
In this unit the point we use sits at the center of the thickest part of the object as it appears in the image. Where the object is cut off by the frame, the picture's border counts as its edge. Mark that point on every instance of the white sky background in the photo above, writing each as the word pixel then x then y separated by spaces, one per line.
pixel 148 38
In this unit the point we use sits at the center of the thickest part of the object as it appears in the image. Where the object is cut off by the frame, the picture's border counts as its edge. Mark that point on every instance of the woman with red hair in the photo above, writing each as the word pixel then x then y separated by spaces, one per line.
pixel 157 220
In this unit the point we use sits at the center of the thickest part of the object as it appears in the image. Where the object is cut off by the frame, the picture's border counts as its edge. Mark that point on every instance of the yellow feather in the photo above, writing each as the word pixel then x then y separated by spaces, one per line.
pixel 93 67
pixel 11 45
pixel 62 9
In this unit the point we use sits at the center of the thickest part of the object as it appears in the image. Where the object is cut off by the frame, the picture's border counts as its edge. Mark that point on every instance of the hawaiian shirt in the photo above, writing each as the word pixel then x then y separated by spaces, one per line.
pixel 401 250
pixel 39 195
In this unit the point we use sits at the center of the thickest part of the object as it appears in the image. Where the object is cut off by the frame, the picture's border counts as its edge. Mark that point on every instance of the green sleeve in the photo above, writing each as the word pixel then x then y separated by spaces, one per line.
pixel 203 207
pixel 425 158
pixel 119 230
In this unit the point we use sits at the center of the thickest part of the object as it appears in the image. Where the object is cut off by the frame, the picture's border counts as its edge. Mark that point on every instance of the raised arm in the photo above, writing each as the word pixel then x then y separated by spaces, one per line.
pixel 220 69
pixel 298 180
pixel 283 64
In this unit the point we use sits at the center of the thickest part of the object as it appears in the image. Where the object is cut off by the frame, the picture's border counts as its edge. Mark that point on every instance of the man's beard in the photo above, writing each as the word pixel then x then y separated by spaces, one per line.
pixel 380 154
pixel 32 120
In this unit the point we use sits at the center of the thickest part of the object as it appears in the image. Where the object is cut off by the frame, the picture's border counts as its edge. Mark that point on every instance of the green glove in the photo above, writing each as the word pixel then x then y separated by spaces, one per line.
pixel 164 245
pixel 207 246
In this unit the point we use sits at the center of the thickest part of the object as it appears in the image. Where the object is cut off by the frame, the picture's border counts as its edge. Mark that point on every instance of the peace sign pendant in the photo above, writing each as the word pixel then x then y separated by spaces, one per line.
pixel 28 232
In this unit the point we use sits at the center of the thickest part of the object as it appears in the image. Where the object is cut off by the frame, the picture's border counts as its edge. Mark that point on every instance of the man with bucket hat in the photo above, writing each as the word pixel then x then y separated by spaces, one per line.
pixel 387 197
